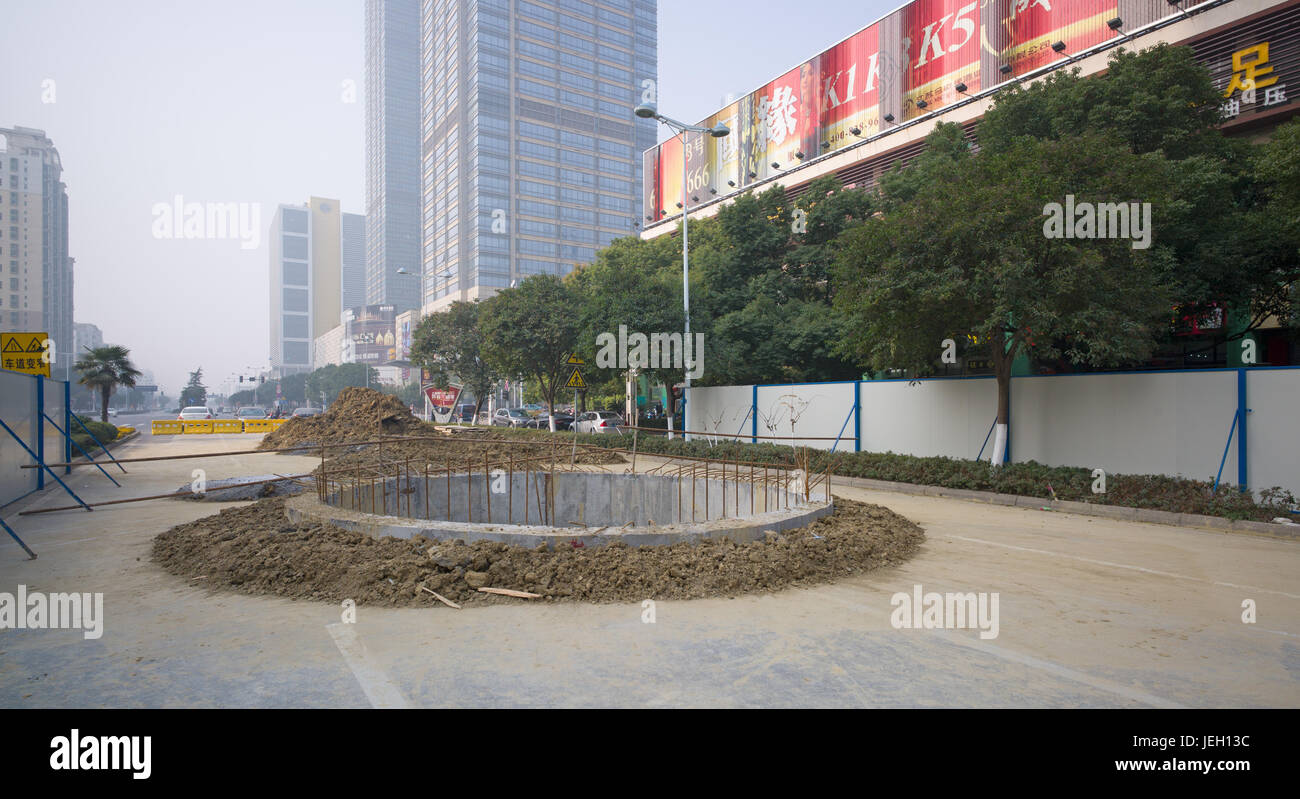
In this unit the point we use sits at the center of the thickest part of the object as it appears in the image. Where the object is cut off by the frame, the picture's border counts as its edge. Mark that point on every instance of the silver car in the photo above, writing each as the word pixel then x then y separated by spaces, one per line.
pixel 598 422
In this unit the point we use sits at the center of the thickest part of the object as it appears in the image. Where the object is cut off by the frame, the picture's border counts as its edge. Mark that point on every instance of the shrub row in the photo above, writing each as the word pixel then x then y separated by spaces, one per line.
pixel 1030 479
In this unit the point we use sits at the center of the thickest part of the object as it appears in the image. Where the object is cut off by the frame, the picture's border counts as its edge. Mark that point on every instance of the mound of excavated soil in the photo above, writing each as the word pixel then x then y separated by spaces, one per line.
pixel 255 549
pixel 363 414
pixel 359 414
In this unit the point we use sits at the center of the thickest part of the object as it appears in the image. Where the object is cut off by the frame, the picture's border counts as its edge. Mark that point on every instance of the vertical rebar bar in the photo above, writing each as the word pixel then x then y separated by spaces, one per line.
pixel 510 490
pixel 427 514
pixel 487 482
pixel 469 491
pixel 448 508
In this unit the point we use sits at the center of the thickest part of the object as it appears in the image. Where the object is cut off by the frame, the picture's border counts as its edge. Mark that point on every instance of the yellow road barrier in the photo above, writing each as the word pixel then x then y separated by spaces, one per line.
pixel 197 425
pixel 227 425
pixel 168 427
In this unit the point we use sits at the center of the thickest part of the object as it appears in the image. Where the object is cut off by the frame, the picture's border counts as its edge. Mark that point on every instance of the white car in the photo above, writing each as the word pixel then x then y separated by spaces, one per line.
pixel 194 412
pixel 598 422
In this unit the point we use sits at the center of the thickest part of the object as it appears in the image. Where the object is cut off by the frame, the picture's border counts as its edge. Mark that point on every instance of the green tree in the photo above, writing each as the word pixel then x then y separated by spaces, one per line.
pixel 966 259
pixel 1224 242
pixel 194 393
pixel 450 345
pixel 636 284
pixel 103 369
pixel 530 330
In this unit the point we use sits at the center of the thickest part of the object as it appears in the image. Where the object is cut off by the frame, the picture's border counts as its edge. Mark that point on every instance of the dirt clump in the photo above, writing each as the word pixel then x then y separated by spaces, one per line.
pixel 255 549
pixel 359 414
pixel 363 414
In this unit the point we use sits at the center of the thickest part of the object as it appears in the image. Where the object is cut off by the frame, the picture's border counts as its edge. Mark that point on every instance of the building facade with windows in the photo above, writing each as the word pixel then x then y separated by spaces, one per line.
pixel 308 277
pixel 392 84
pixel 529 148
pixel 35 268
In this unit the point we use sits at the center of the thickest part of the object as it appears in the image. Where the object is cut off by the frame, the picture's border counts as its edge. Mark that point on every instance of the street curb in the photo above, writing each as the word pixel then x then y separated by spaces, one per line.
pixel 110 446
pixel 1219 524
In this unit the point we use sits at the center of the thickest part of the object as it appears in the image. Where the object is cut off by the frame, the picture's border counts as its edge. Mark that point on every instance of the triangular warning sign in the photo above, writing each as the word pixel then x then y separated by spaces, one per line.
pixel 12 345
pixel 574 359
pixel 575 380
pixel 35 346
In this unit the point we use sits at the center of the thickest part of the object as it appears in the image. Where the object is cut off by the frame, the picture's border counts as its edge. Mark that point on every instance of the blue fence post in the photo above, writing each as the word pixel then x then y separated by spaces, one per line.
pixel 857 415
pixel 1242 411
pixel 753 421
pixel 38 426
pixel 67 425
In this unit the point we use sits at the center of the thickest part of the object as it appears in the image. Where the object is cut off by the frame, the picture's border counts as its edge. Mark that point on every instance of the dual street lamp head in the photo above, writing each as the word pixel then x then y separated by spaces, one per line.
pixel 650 111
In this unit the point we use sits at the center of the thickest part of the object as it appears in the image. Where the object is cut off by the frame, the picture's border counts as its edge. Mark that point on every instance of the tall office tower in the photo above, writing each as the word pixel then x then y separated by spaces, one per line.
pixel 531 156
pixel 308 245
pixel 36 292
pixel 354 260
pixel 393 153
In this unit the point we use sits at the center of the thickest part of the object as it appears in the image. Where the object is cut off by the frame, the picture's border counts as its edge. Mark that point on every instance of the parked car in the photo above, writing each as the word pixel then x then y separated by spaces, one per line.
pixel 305 411
pixel 465 413
pixel 112 411
pixel 194 412
pixel 510 417
pixel 562 422
pixel 251 412
pixel 598 422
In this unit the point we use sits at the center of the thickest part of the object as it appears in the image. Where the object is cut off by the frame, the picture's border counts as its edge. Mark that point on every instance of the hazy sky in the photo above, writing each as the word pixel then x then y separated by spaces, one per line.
pixel 243 101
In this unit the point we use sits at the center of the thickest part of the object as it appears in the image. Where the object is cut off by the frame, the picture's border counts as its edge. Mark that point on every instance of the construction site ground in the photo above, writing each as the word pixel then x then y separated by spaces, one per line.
pixel 1093 612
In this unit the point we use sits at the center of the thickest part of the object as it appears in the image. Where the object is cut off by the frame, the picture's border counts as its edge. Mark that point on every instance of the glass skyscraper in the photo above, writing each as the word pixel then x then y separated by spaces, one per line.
pixel 531 156
pixel 393 153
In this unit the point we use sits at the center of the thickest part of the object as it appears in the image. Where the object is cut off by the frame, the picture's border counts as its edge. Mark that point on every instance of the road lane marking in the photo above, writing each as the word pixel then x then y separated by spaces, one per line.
pixel 379 687
pixel 1056 669
pixel 1114 565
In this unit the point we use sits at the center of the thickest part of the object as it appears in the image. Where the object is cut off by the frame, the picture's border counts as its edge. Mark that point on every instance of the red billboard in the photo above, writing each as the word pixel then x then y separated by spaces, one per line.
pixel 1033 26
pixel 942 48
pixel 849 89
pixel 909 63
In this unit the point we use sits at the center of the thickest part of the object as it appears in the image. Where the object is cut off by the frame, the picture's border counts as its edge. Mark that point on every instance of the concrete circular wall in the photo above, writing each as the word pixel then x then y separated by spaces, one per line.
pixel 589 508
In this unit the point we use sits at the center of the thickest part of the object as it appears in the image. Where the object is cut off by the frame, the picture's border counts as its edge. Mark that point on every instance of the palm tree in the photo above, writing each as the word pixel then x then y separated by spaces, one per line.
pixel 106 368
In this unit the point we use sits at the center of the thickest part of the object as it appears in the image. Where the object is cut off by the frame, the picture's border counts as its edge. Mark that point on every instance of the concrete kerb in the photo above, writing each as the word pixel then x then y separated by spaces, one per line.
pixel 588 496
pixel 1216 523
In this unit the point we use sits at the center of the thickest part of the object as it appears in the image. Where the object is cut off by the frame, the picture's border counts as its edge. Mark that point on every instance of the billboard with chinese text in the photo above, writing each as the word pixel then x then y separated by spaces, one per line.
pixel 903 66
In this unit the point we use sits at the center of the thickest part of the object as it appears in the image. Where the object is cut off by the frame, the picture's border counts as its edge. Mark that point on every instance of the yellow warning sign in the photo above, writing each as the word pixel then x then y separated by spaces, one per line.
pixel 575 380
pixel 25 352
pixel 575 360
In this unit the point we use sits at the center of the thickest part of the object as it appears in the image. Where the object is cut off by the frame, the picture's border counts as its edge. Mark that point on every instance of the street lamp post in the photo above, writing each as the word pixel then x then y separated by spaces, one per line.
pixel 649 111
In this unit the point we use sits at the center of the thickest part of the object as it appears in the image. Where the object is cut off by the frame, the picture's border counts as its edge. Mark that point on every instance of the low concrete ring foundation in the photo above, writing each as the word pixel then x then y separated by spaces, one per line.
pixel 587 509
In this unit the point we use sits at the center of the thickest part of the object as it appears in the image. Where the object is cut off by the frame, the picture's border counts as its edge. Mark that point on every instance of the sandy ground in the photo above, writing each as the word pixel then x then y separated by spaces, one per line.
pixel 1093 612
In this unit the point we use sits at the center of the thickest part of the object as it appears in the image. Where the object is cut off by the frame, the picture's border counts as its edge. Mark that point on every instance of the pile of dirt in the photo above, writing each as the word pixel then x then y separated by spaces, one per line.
pixel 462 452
pixel 255 549
pixel 363 414
pixel 359 414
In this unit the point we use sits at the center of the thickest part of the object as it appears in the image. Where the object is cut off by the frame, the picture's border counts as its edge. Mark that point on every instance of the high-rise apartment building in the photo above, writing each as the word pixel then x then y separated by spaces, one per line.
pixel 85 336
pixel 531 156
pixel 309 271
pixel 35 268
pixel 393 153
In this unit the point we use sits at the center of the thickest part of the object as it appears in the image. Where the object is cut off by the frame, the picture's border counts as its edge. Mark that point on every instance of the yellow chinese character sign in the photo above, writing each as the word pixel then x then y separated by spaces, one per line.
pixel 26 353
pixel 1249 74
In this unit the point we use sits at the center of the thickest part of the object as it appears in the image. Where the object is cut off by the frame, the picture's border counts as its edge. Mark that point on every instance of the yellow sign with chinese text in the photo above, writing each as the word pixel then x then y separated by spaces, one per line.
pixel 29 353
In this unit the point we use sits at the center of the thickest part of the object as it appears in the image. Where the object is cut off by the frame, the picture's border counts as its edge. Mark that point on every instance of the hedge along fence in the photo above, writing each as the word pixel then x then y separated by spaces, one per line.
pixel 1027 479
